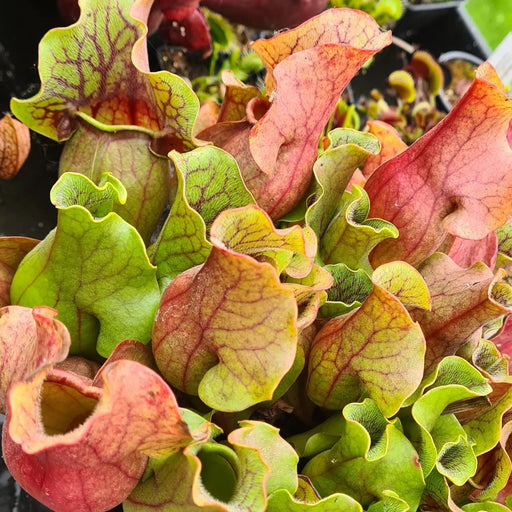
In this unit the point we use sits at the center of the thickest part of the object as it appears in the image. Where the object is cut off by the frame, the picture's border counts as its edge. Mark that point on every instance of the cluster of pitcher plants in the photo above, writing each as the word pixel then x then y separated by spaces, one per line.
pixel 235 313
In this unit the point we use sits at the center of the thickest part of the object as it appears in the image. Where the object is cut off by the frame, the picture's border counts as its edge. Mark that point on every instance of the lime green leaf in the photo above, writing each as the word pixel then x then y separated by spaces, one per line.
pixel 456 459
pixel 98 199
pixel 12 251
pixel 348 150
pixel 488 506
pixel 485 428
pixel 282 501
pixel 391 502
pixel 377 452
pixel 504 258
pixel 453 379
pixel 208 182
pixel 320 438
pixel 437 494
pixel 93 270
pixel 275 451
pixel 351 236
pixel 127 156
pixel 404 282
pixel 218 478
pixel 376 350
pixel 403 83
pixel 494 469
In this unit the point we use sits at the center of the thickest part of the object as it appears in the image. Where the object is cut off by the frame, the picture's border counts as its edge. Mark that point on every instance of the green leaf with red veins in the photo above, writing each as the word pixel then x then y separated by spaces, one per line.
pixel 63 436
pixel 92 268
pixel 404 282
pixel 462 301
pixel 250 230
pixel 349 290
pixel 127 156
pixel 213 182
pixel 226 331
pixel 376 350
pixel 348 149
pixel 29 340
pixel 351 236
pixel 456 179
pixel 208 182
pixel 217 478
pixel 308 68
pixel 98 70
pixel 12 250
pixel 377 452
pixel 236 98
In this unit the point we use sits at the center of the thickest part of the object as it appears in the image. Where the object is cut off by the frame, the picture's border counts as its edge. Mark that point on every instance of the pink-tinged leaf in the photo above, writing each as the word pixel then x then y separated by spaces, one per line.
pixel 267 14
pixel 89 71
pixel 466 252
pixel 14 146
pixel 226 331
pixel 390 145
pixel 29 340
pixel 463 300
pixel 376 350
pixel 131 350
pixel 64 438
pixel 12 250
pixel 456 179
pixel 503 340
pixel 308 68
pixel 208 115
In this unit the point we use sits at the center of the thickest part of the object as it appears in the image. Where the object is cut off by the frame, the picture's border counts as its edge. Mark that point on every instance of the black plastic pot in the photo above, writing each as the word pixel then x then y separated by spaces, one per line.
pixel 419 15
pixel 438 28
